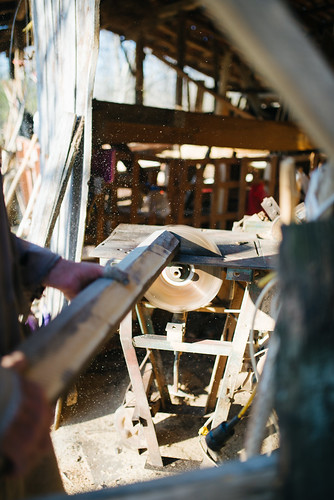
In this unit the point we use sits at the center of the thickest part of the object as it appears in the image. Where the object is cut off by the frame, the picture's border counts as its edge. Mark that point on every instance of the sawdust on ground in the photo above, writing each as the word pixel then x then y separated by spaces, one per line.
pixel 93 454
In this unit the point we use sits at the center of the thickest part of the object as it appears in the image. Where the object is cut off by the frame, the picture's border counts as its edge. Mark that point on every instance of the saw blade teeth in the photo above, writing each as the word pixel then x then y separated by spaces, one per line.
pixel 184 287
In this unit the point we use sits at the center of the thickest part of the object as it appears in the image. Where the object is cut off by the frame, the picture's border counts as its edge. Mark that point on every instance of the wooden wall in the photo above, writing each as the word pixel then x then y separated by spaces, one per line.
pixel 66 44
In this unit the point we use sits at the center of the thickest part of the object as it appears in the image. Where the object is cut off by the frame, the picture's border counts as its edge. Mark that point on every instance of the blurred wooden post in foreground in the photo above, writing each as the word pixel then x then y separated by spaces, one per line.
pixel 305 366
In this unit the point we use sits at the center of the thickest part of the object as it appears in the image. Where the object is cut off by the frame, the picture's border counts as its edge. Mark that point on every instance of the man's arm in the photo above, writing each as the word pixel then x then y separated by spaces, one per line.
pixel 39 267
pixel 33 263
pixel 71 277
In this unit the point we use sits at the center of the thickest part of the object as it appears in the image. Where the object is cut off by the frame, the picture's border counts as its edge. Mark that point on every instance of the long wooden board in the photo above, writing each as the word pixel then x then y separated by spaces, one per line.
pixel 58 352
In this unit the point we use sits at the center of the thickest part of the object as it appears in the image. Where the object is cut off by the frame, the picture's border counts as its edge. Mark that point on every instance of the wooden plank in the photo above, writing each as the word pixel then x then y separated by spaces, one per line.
pixel 234 361
pixel 87 45
pixel 227 334
pixel 146 327
pixel 208 346
pixel 66 67
pixel 69 341
pixel 55 180
pixel 86 51
pixel 65 85
pixel 142 405
pixel 255 479
pixel 42 36
pixel 118 123
pixel 276 45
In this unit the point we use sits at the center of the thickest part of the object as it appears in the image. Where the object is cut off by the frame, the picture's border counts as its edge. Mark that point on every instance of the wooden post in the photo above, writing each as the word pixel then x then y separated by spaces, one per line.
pixel 199 98
pixel 136 193
pixel 198 196
pixel 243 188
pixel 305 364
pixel 272 185
pixel 140 70
pixel 180 61
pixel 221 108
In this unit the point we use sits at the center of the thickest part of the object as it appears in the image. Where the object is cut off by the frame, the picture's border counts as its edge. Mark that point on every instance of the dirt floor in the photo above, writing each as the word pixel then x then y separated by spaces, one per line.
pixel 93 453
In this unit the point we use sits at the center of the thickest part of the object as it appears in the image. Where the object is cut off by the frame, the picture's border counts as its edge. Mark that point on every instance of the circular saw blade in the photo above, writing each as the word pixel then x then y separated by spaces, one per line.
pixel 185 287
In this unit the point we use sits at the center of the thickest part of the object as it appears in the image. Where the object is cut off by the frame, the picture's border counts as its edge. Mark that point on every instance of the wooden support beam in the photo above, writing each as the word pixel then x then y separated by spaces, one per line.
pixel 207 346
pixel 124 123
pixel 58 353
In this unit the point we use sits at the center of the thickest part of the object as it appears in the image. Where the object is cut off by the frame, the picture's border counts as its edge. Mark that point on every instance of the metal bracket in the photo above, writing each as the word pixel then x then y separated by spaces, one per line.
pixel 175 332
pixel 271 207
pixel 239 275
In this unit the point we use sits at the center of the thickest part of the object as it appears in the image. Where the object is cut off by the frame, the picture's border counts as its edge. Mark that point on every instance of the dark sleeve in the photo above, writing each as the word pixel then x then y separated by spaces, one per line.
pixel 34 264
pixel 10 397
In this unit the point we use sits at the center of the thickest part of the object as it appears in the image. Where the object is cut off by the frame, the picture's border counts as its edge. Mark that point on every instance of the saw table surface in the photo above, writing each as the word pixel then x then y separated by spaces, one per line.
pixel 239 249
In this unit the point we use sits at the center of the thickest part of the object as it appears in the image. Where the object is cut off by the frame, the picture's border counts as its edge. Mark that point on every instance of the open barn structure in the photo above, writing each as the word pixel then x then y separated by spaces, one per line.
pixel 267 67
pixel 246 124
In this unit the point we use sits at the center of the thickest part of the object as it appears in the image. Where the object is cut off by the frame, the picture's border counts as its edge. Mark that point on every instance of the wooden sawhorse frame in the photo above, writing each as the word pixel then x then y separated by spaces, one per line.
pixel 229 359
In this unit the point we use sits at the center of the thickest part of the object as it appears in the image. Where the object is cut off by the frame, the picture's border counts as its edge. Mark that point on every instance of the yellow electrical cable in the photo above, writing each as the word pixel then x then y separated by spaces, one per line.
pixel 247 405
pixel 203 431
pixel 261 283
